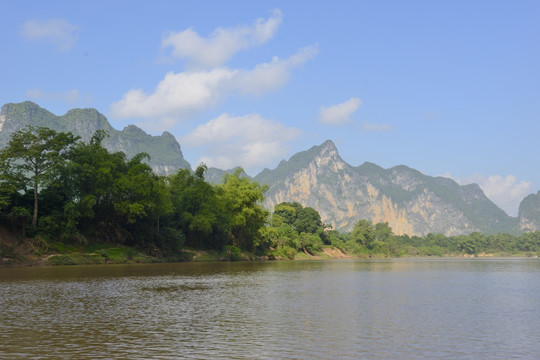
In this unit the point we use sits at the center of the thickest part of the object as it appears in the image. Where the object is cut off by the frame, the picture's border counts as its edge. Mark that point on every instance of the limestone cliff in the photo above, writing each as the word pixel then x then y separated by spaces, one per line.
pixel 165 153
pixel 409 201
pixel 529 213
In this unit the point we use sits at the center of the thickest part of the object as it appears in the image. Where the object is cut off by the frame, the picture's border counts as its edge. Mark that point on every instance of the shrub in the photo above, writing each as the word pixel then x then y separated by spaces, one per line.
pixel 232 253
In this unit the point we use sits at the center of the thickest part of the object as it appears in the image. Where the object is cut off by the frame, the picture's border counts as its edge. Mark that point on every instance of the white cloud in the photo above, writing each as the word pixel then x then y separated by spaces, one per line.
pixel 180 94
pixel 58 31
pixel 340 113
pixel 249 141
pixel 175 96
pixel 71 96
pixel 373 127
pixel 222 44
pixel 506 192
pixel 273 75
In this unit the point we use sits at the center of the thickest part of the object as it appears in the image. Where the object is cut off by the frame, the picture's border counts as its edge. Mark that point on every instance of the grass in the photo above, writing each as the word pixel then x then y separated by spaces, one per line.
pixel 97 254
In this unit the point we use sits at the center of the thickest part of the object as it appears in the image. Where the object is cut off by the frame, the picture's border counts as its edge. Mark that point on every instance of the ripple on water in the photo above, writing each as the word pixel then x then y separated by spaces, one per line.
pixel 369 310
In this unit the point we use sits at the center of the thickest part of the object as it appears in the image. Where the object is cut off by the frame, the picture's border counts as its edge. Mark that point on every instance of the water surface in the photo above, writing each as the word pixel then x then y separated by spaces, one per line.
pixel 386 309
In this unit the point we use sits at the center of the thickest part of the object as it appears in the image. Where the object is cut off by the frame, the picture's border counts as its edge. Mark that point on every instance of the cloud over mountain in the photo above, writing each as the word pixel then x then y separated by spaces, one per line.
pixel 250 141
pixel 505 191
pixel 181 94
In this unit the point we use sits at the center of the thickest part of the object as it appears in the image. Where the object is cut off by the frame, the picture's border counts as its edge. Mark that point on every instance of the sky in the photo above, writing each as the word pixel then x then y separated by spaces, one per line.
pixel 450 88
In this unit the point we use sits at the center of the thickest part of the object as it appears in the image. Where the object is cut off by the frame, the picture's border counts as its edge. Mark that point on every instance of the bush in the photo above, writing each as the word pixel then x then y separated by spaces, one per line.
pixel 282 252
pixel 311 243
pixel 171 240
pixel 232 253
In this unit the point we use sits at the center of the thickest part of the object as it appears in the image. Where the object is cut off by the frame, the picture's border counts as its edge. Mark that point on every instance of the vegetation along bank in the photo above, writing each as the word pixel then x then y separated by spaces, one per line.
pixel 65 201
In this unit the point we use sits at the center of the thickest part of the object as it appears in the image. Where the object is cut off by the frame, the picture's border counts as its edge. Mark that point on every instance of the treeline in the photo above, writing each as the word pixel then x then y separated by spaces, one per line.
pixel 59 189
pixel 294 229
pixel 367 239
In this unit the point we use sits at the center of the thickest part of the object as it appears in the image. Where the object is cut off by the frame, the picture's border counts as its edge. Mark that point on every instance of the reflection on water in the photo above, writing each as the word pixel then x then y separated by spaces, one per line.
pixel 387 309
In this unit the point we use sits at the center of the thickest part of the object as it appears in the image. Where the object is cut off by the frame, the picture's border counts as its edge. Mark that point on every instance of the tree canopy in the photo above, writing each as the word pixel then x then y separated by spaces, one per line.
pixel 32 157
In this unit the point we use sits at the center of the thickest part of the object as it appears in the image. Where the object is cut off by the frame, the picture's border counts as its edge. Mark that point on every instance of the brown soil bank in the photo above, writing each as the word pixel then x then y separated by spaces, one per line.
pixel 15 249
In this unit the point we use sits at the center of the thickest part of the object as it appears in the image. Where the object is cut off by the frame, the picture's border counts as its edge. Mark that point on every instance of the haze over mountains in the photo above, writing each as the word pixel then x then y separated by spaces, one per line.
pixel 411 202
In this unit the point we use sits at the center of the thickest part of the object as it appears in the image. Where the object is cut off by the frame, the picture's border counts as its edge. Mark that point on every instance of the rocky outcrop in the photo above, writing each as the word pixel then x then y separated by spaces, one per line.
pixel 409 201
pixel 165 154
pixel 529 213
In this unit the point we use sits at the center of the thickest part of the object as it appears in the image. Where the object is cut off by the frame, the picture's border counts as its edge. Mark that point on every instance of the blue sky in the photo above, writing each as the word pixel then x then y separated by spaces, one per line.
pixel 446 87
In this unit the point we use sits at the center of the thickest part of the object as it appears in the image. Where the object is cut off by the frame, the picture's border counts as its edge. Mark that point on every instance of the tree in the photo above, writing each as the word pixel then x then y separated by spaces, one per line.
pixel 162 200
pixel 364 233
pixel 32 159
pixel 285 212
pixel 302 219
pixel 240 199
pixel 383 232
pixel 195 211
pixel 308 221
pixel 90 180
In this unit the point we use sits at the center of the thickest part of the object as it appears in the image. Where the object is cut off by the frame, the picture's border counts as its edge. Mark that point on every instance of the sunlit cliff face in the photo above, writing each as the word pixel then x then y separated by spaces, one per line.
pixel 342 195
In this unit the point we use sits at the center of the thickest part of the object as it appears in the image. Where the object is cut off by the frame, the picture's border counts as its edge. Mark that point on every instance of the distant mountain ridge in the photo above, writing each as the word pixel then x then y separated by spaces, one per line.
pixel 410 202
pixel 165 153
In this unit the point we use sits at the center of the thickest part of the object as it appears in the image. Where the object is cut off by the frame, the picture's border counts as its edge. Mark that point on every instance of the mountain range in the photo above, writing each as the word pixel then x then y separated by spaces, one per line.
pixel 165 153
pixel 410 202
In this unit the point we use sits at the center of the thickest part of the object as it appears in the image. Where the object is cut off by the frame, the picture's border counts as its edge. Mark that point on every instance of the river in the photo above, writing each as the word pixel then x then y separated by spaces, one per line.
pixel 346 309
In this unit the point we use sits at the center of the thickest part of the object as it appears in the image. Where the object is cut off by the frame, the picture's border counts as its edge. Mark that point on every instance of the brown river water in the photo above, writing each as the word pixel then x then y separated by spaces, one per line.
pixel 344 309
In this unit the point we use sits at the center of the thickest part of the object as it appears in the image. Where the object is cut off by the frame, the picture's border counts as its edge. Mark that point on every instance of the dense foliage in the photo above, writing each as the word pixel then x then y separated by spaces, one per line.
pixel 58 189
pixel 88 194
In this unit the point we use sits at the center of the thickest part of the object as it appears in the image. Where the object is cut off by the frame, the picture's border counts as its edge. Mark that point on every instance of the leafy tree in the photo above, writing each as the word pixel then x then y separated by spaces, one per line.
pixel 6 192
pixel 133 191
pixel 303 220
pixel 299 228
pixel 195 209
pixel 32 158
pixel 240 199
pixel 383 232
pixel 90 181
pixel 310 243
pixel 286 213
pixel 308 221
pixel 364 233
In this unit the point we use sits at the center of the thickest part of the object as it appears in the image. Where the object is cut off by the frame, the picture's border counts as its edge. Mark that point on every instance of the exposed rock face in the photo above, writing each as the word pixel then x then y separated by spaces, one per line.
pixel 410 202
pixel 165 153
pixel 2 120
pixel 529 213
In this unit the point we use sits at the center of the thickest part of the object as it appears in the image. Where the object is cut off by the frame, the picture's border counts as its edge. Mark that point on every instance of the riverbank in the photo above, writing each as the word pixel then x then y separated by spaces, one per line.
pixel 30 255
pixel 18 251
pixel 107 254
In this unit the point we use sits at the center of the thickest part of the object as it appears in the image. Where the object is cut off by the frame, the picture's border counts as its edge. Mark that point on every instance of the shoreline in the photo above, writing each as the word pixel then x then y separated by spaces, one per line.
pixel 127 255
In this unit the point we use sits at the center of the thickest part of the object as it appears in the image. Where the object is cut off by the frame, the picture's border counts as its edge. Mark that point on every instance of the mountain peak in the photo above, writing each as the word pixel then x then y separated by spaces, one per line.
pixel 529 213
pixel 25 105
pixel 409 201
pixel 328 145
pixel 319 156
pixel 326 150
pixel 166 155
